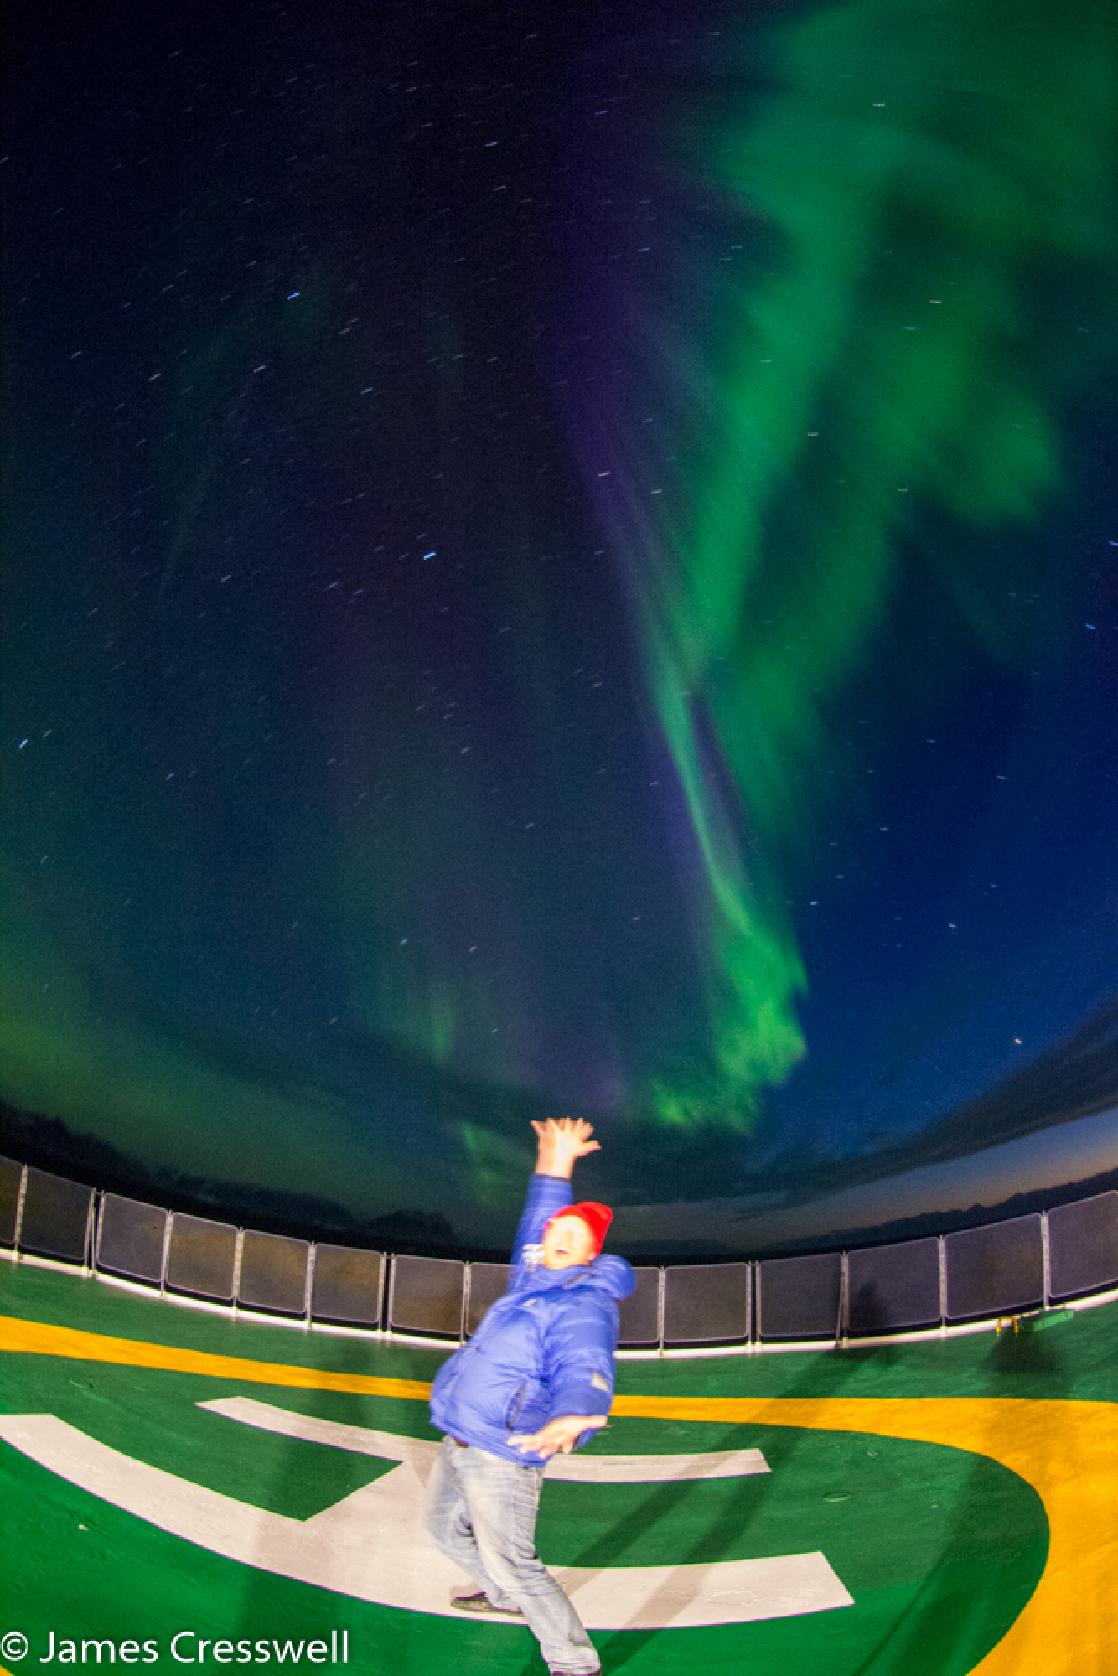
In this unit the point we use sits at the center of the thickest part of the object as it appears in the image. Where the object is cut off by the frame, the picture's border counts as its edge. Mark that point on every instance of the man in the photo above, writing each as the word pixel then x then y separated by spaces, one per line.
pixel 536 1378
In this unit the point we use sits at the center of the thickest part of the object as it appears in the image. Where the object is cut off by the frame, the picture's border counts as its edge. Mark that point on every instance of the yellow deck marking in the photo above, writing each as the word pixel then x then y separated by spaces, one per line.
pixel 1068 1452
pixel 39 1338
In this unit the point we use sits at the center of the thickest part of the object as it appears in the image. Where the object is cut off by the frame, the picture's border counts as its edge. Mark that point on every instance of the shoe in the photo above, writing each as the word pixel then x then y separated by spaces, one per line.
pixel 476 1600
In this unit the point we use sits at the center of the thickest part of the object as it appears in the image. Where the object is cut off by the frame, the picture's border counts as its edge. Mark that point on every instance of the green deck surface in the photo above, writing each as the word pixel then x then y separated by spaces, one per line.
pixel 941 1548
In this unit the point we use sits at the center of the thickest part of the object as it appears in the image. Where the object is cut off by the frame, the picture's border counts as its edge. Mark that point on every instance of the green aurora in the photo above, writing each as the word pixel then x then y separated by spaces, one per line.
pixel 882 394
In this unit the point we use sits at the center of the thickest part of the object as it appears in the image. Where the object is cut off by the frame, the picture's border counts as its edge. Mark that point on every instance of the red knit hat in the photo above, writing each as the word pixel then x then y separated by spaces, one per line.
pixel 596 1217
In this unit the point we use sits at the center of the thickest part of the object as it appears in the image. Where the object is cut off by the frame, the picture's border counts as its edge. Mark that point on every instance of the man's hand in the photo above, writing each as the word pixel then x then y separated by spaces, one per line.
pixel 560 1141
pixel 558 1436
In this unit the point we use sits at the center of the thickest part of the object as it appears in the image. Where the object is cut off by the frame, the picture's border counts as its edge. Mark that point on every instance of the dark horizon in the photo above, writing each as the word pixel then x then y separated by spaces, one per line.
pixel 47 1144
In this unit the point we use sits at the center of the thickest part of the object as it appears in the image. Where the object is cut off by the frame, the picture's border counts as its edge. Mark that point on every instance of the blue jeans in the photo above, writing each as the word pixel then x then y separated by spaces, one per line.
pixel 481 1511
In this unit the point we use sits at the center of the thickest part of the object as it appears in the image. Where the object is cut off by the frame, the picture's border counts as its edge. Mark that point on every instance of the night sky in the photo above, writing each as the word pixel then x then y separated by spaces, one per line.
pixel 563 557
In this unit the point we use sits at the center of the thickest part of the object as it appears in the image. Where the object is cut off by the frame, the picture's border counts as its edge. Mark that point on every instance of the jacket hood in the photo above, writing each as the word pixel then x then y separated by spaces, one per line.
pixel 614 1275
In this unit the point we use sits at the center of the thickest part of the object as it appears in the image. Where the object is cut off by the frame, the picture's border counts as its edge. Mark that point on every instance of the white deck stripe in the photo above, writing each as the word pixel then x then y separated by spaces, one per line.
pixel 372 1546
pixel 577 1469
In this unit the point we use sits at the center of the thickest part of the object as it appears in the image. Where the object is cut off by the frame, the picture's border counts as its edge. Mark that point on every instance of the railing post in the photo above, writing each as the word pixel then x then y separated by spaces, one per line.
pixel 237 1250
pixel 942 1245
pixel 308 1283
pixel 1045 1261
pixel 21 1199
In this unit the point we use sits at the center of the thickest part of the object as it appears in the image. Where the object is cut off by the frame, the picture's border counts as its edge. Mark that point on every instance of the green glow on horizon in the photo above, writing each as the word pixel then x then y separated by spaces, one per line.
pixel 494 1161
pixel 66 1049
pixel 918 174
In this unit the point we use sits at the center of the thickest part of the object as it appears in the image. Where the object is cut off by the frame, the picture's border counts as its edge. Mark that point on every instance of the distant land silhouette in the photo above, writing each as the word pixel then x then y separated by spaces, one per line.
pixel 904 1228
pixel 48 1144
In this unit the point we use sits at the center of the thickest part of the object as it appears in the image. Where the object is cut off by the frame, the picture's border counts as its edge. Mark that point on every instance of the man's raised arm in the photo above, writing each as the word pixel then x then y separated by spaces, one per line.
pixel 560 1143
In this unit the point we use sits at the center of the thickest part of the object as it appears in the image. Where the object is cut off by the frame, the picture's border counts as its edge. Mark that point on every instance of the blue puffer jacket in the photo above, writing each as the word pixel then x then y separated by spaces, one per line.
pixel 544 1349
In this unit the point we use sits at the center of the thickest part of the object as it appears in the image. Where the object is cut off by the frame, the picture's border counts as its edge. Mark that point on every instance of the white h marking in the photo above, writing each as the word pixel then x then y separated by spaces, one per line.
pixel 372 1545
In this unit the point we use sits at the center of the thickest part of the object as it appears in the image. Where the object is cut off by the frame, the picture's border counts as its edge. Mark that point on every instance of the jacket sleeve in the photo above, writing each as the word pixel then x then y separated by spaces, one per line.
pixel 546 1195
pixel 579 1354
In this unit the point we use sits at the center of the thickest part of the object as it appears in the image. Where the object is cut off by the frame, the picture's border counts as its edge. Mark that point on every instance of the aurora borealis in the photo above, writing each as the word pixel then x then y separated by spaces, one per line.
pixel 561 558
